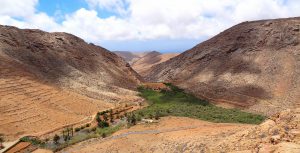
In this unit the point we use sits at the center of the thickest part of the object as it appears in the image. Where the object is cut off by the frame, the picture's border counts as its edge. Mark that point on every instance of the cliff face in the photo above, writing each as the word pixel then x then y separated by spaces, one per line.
pixel 253 65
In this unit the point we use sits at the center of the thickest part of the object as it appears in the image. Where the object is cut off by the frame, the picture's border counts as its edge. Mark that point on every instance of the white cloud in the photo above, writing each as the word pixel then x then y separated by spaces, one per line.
pixel 17 8
pixel 145 19
pixel 118 6
pixel 25 10
pixel 86 24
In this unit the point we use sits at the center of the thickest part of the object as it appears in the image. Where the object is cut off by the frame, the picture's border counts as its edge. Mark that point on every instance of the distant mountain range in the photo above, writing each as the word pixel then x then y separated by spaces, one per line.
pixel 141 62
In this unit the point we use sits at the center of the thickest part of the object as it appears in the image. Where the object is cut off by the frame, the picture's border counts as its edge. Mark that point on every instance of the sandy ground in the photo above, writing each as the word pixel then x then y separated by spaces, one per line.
pixel 171 134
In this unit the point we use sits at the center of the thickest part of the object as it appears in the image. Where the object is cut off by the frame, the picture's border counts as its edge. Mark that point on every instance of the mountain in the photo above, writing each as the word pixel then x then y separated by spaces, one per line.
pixel 253 65
pixel 48 80
pixel 141 62
pixel 130 57
pixel 143 65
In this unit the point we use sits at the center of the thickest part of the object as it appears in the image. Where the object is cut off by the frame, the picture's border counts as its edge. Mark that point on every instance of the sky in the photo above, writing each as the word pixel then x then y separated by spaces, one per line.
pixel 142 25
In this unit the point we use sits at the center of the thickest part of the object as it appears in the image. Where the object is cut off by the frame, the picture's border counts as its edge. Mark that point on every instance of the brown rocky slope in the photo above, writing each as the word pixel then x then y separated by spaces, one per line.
pixel 67 61
pixel 144 63
pixel 253 65
pixel 49 80
pixel 130 57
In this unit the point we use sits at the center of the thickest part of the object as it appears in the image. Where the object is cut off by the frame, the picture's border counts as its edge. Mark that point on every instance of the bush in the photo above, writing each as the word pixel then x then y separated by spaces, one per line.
pixel 105 117
pixel 138 118
pixel 157 115
pixel 131 119
pixel 34 141
pixel 88 125
pixel 103 124
pixel 77 129
pixel 150 116
pixel 56 139
pixel 94 129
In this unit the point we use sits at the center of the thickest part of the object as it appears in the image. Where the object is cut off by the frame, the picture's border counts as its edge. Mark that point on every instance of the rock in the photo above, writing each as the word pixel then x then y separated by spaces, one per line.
pixel 287 147
pixel 267 125
pixel 275 139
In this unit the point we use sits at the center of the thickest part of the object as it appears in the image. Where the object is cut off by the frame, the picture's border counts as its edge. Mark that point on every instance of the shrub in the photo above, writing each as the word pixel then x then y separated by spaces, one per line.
pixel 103 135
pixel 131 119
pixel 77 129
pixel 157 115
pixel 88 125
pixel 94 129
pixel 105 117
pixel 56 139
pixel 141 114
pixel 138 118
pixel 103 124
pixel 150 116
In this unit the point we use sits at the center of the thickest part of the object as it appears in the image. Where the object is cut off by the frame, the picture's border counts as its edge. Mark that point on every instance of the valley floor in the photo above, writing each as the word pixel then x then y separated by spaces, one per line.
pixel 170 134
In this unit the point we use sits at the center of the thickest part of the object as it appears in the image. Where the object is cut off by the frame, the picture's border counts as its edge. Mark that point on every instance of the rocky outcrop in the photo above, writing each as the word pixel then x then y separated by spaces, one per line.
pixel 253 65
pixel 280 133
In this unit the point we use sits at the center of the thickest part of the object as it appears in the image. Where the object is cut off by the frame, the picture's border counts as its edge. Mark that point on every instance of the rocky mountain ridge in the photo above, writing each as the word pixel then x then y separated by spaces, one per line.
pixel 253 65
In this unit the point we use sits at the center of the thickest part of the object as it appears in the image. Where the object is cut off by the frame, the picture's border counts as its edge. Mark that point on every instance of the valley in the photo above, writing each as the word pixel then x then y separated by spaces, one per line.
pixel 236 92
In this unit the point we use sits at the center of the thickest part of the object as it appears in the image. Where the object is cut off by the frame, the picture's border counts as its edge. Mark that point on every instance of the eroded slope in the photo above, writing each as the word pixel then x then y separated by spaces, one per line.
pixel 48 80
pixel 67 61
pixel 28 106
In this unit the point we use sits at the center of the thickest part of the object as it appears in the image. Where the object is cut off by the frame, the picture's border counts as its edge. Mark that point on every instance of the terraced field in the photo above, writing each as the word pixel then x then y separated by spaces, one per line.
pixel 29 106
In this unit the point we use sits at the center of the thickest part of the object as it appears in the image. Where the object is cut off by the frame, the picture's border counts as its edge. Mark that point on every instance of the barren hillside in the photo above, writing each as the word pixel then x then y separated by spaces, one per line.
pixel 67 61
pixel 48 80
pixel 144 64
pixel 130 57
pixel 253 65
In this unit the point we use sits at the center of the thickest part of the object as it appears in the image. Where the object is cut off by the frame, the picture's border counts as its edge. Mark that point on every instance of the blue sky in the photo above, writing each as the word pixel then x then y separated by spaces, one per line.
pixel 142 25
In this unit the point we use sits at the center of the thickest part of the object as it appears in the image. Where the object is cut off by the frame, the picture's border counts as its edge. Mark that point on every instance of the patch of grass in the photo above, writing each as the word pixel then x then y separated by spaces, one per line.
pixel 107 131
pixel 176 102
pixel 74 140
pixel 34 141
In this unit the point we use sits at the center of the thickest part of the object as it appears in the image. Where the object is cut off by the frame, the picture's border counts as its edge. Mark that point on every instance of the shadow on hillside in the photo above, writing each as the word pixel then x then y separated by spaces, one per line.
pixel 63 55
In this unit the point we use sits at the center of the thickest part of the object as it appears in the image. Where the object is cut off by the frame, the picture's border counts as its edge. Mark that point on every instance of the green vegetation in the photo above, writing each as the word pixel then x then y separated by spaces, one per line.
pixel 97 132
pixel 107 131
pixel 176 102
pixel 32 140
pixel 131 119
